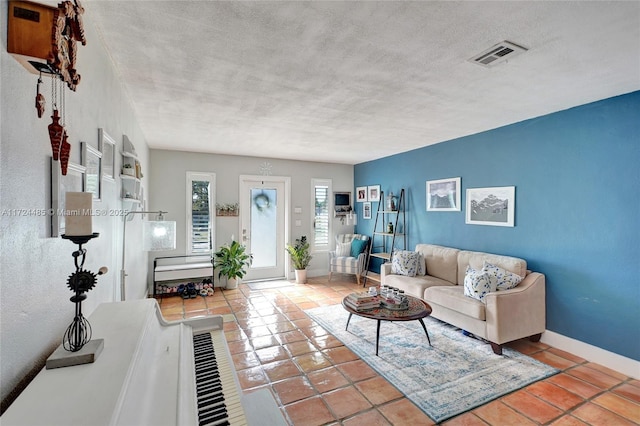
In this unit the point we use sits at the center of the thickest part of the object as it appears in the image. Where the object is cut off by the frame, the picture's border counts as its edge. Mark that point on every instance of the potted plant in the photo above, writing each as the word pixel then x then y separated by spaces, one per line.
pixel 231 261
pixel 300 257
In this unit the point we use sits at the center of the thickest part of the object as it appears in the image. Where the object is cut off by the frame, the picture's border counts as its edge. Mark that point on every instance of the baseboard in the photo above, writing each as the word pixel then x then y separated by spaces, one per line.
pixel 619 363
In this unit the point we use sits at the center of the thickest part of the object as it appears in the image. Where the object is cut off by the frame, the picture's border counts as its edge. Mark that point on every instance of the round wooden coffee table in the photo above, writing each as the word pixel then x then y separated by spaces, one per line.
pixel 417 310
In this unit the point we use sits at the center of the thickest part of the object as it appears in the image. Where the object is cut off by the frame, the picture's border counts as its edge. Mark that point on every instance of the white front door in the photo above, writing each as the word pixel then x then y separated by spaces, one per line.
pixel 264 224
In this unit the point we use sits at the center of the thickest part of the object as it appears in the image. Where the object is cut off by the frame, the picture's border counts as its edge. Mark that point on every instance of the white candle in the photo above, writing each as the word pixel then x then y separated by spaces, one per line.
pixel 78 211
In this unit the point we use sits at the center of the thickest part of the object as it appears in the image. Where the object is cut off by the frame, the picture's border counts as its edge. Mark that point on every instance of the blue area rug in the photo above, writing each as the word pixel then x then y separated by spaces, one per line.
pixel 454 375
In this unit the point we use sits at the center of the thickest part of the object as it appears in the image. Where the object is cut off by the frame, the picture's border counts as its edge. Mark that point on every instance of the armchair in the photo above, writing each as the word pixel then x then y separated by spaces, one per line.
pixel 346 263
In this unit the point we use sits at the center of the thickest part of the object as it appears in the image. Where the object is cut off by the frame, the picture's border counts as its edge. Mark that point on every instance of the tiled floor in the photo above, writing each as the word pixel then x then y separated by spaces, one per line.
pixel 317 380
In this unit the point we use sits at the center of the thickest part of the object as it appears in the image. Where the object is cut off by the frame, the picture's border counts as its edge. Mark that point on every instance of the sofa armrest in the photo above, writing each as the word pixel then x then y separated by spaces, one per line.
pixel 362 262
pixel 385 269
pixel 518 312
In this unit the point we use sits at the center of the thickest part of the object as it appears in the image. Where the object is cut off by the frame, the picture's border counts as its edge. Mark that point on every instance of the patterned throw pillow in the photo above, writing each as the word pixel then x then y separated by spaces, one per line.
pixel 501 278
pixel 422 265
pixel 343 249
pixel 477 284
pixel 404 262
pixel 357 247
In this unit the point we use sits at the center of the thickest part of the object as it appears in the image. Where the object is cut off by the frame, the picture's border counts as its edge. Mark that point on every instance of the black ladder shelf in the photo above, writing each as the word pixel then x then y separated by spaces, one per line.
pixel 380 247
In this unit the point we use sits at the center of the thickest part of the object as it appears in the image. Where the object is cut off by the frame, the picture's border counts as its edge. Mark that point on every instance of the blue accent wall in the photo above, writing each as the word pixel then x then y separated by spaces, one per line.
pixel 577 210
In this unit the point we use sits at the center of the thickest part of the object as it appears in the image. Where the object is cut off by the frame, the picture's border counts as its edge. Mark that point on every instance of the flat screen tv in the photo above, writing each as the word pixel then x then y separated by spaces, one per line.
pixel 342 202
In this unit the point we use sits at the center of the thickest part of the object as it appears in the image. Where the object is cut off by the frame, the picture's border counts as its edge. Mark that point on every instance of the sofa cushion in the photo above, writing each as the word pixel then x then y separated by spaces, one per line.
pixel 343 249
pixel 357 247
pixel 344 264
pixel 404 262
pixel 500 278
pixel 478 283
pixel 452 297
pixel 476 261
pixel 414 286
pixel 441 262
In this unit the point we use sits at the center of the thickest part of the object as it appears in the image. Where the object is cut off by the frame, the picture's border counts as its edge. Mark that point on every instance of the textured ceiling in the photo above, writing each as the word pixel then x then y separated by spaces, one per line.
pixel 348 82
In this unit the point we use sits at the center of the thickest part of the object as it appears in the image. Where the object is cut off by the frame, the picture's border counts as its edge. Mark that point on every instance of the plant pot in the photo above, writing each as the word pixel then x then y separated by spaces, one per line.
pixel 301 276
pixel 232 283
pixel 128 171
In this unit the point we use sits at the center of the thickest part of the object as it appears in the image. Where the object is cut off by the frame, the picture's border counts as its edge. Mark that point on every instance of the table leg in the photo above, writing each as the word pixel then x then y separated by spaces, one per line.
pixel 348 319
pixel 425 330
pixel 377 337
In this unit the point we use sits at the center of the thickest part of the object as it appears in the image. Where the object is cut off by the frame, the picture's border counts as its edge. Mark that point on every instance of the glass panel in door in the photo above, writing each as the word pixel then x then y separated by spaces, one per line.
pixel 262 211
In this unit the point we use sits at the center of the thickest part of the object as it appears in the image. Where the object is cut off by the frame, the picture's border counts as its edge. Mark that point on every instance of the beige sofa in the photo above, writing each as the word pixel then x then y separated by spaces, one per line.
pixel 504 316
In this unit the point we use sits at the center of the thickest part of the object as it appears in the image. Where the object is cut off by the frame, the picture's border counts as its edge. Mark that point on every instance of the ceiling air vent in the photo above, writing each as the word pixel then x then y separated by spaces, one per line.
pixel 498 53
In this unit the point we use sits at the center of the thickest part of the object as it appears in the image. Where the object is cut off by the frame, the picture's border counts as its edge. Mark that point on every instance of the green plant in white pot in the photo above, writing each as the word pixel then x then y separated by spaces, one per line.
pixel 232 262
pixel 300 257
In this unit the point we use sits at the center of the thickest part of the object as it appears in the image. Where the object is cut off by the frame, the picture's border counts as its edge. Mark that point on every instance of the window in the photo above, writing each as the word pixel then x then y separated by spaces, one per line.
pixel 200 212
pixel 321 209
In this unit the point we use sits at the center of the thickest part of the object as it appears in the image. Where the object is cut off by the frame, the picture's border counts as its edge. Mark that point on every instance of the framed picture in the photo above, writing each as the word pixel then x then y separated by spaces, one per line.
pixel 373 193
pixel 60 185
pixel 491 206
pixel 361 194
pixel 92 161
pixel 366 210
pixel 107 146
pixel 443 195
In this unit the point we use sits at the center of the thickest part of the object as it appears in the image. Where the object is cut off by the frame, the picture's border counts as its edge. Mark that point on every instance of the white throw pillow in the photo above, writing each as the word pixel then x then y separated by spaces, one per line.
pixel 404 262
pixel 501 278
pixel 477 283
pixel 343 249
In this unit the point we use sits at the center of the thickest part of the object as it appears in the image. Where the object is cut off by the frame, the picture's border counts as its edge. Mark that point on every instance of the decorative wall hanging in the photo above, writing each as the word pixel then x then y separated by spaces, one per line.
pixel 56 133
pixel 40 101
pixel 227 209
pixel 366 210
pixel 361 194
pixel 265 169
pixel 491 206
pixel 107 146
pixel 65 153
pixel 374 193
pixel 67 31
pixel 92 161
pixel 60 185
pixel 443 195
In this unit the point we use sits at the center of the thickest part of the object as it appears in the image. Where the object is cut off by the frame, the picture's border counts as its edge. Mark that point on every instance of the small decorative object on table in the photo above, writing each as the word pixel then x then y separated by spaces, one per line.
pixel 362 301
pixel 393 298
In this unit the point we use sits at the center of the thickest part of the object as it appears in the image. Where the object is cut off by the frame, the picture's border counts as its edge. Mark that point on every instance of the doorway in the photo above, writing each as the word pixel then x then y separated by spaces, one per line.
pixel 264 224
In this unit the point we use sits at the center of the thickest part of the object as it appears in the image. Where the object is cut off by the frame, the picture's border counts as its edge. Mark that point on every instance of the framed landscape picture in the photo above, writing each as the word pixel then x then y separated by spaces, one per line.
pixel 373 193
pixel 361 194
pixel 491 206
pixel 443 195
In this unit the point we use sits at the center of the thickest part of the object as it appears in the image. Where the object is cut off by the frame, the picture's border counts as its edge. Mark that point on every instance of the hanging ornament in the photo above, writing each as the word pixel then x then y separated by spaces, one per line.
pixel 56 132
pixel 40 101
pixel 65 152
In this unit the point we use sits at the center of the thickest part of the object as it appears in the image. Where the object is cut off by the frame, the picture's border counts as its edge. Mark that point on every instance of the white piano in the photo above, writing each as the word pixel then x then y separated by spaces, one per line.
pixel 145 375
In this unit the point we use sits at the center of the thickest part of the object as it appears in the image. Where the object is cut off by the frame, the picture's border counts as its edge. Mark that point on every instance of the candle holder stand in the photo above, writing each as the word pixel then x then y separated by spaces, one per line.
pixel 77 346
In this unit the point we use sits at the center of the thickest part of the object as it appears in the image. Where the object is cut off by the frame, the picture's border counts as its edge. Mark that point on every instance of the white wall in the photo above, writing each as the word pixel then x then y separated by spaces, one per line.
pixel 168 192
pixel 35 307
